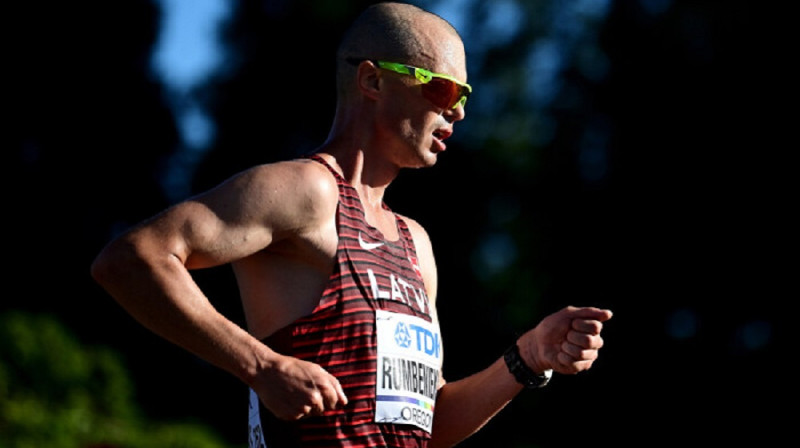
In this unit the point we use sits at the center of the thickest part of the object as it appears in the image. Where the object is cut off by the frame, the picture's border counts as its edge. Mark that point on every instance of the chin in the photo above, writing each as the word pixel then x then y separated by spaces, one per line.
pixel 423 157
pixel 428 159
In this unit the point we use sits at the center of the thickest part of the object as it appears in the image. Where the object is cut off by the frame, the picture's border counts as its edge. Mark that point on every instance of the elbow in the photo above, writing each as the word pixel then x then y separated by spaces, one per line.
pixel 112 263
pixel 102 267
pixel 99 269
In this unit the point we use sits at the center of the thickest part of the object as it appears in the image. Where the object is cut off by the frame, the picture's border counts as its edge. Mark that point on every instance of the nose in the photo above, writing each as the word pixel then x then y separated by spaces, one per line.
pixel 453 115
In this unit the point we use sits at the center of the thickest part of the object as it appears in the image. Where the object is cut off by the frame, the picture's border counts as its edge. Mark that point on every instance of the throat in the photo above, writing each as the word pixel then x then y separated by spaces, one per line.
pixel 384 221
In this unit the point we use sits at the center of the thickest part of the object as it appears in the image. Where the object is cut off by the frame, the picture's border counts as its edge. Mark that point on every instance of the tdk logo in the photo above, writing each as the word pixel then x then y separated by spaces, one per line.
pixel 426 341
pixel 402 336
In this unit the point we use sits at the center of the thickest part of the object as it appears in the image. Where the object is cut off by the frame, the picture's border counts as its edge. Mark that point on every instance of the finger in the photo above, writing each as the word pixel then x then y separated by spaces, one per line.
pixel 317 404
pixel 582 340
pixel 333 394
pixel 302 413
pixel 578 353
pixel 591 313
pixel 340 393
pixel 586 341
pixel 587 326
pixel 568 364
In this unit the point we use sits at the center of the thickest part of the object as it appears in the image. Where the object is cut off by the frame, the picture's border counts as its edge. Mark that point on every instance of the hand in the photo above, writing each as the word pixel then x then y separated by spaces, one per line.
pixel 293 389
pixel 566 341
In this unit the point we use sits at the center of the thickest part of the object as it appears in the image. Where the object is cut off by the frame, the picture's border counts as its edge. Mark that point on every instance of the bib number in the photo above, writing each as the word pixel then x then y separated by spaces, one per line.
pixel 409 359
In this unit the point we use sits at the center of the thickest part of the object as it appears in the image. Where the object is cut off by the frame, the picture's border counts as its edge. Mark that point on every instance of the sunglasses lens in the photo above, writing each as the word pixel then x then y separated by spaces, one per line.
pixel 442 92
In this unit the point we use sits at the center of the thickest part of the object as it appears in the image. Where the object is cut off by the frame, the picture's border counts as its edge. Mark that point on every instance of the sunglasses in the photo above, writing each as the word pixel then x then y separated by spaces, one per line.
pixel 443 91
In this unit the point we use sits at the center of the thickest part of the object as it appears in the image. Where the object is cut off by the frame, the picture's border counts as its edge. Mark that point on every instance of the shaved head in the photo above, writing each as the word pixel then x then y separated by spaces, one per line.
pixel 395 32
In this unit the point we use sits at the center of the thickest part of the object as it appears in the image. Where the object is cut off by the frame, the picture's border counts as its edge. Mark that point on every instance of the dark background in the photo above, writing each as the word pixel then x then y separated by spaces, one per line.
pixel 684 235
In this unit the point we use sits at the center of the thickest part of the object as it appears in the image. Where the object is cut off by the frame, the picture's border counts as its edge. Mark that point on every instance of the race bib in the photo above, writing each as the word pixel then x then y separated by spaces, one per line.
pixel 409 359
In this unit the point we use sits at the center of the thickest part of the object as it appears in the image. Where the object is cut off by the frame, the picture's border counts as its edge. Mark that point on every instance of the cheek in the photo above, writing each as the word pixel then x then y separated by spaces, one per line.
pixel 417 132
pixel 412 120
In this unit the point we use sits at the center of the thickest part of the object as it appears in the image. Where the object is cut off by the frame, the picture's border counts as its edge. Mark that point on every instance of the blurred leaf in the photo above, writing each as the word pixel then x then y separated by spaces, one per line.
pixel 55 392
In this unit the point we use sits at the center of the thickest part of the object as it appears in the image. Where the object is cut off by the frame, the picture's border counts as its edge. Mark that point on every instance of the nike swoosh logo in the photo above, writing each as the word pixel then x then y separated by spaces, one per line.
pixel 367 246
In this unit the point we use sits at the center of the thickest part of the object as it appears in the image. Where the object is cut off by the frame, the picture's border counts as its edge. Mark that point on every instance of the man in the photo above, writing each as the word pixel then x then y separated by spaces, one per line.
pixel 342 347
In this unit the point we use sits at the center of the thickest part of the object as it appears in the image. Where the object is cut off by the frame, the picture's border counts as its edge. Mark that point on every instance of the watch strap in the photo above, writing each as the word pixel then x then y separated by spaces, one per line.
pixel 522 373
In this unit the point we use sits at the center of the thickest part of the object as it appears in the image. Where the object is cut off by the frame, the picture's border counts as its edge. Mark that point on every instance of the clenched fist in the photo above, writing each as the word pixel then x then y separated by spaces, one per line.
pixel 566 341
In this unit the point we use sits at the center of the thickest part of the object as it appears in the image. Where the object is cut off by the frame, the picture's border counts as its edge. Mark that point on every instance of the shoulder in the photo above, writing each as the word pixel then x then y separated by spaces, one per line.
pixel 293 177
pixel 286 194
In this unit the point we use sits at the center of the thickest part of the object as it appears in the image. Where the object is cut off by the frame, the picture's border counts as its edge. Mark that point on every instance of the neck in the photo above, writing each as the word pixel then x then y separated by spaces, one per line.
pixel 365 169
pixel 360 156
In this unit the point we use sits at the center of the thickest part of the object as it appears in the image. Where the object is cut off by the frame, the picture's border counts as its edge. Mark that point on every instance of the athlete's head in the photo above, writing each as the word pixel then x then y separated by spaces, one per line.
pixel 399 33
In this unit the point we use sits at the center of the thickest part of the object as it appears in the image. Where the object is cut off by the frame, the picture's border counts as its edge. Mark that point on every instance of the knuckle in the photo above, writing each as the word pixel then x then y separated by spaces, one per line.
pixel 599 342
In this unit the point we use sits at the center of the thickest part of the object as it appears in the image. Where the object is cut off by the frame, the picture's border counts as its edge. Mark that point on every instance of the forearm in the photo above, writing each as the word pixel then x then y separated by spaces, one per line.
pixel 158 291
pixel 464 406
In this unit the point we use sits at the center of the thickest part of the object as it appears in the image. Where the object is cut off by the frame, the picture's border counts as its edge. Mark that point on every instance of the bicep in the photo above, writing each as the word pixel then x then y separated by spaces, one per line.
pixel 210 229
pixel 201 235
pixel 239 217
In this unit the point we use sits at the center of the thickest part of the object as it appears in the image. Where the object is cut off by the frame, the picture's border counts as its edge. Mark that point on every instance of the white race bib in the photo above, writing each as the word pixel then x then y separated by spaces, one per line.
pixel 409 359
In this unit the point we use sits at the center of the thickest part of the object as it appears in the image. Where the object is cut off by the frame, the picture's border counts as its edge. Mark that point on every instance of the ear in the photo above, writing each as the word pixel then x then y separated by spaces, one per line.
pixel 368 78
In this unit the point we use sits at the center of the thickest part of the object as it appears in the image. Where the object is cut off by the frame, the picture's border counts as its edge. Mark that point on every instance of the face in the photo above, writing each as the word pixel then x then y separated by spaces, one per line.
pixel 415 126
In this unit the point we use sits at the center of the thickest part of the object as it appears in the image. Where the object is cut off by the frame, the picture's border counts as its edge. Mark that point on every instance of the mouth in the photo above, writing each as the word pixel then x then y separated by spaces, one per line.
pixel 442 134
pixel 439 136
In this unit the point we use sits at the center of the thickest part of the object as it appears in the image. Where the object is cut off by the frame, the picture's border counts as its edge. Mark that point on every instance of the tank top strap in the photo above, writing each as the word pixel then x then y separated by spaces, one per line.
pixel 317 158
pixel 349 198
pixel 406 237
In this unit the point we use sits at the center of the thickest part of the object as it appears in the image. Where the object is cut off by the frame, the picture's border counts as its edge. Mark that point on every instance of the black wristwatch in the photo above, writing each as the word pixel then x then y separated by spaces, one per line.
pixel 523 374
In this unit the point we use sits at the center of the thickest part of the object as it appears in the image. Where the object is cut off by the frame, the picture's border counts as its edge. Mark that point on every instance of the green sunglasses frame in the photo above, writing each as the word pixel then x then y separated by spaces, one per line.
pixel 424 76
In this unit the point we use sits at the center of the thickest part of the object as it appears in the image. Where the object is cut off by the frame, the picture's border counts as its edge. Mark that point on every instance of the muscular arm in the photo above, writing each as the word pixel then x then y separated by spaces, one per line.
pixel 566 341
pixel 146 271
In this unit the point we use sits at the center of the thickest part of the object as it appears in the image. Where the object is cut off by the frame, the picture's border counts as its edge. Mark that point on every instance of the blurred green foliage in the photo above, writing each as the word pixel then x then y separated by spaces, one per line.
pixel 56 392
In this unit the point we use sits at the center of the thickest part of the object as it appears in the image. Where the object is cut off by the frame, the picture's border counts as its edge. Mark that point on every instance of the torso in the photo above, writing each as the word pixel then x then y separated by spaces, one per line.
pixel 283 282
pixel 347 314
